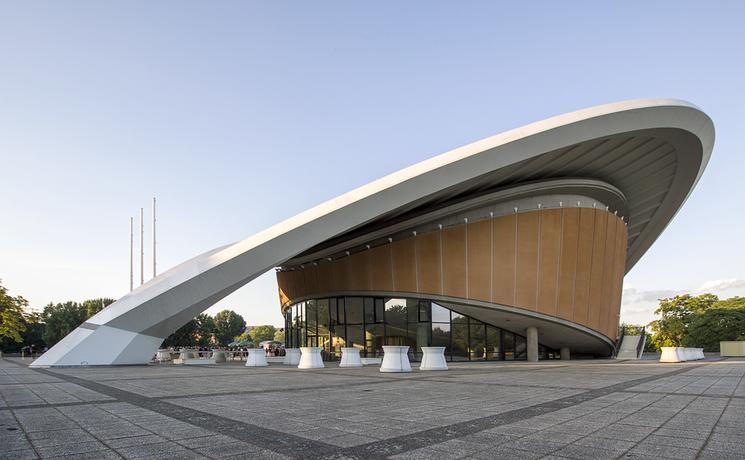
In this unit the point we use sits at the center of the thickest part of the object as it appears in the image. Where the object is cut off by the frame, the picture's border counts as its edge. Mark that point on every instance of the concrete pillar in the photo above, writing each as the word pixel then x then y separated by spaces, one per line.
pixel 565 355
pixel 531 336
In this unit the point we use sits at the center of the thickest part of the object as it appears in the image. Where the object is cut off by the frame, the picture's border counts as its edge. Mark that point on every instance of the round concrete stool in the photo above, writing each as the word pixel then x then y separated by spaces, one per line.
pixel 219 356
pixel 187 355
pixel 350 357
pixel 395 359
pixel 256 358
pixel 310 358
pixel 292 356
pixel 433 359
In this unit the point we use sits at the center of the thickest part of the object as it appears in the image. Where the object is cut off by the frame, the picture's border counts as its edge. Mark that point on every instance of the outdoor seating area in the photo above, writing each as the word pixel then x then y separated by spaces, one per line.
pixel 395 358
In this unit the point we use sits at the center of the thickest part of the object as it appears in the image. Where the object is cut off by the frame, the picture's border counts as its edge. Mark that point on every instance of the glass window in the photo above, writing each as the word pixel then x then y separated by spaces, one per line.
pixel 395 318
pixel 356 338
pixel 353 310
pixel 477 335
pixel 509 346
pixel 441 337
pixel 311 318
pixel 369 310
pixel 424 311
pixel 340 310
pixel 520 348
pixel 333 316
pixel 374 340
pixel 440 314
pixel 379 311
pixel 460 340
pixel 492 343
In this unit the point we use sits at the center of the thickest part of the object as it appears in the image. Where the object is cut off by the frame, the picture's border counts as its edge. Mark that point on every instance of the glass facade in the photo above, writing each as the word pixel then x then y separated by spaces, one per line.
pixel 368 323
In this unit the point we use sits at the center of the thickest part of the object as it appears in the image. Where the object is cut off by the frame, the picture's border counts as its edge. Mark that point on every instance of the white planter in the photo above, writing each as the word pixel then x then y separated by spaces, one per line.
pixel 187 355
pixel 671 355
pixel 310 358
pixel 256 358
pixel 219 356
pixel 163 355
pixel 433 359
pixel 350 357
pixel 292 357
pixel 395 359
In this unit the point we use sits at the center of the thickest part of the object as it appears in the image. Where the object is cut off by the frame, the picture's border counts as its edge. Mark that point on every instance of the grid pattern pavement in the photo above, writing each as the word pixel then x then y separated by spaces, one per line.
pixel 578 409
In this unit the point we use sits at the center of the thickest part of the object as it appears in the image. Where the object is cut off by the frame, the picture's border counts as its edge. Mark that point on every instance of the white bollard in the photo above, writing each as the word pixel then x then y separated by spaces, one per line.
pixel 310 358
pixel 256 358
pixel 433 359
pixel 292 357
pixel 350 357
pixel 395 359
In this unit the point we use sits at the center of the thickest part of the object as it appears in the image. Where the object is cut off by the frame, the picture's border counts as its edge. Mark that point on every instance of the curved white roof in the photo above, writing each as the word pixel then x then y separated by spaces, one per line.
pixel 653 151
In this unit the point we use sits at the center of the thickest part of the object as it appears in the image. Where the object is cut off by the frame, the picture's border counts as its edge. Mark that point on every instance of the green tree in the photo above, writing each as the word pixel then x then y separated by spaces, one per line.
pixel 676 314
pixel 279 335
pixel 205 329
pixel 185 336
pixel 93 306
pixel 61 319
pixel 228 324
pixel 12 320
pixel 262 333
pixel 717 324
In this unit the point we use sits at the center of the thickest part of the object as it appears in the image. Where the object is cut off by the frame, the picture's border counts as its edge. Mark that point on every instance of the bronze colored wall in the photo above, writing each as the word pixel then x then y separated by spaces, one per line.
pixel 566 263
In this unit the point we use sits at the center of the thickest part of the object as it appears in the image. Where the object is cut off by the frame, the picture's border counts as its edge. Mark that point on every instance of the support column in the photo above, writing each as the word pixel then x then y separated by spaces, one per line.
pixel 531 336
pixel 565 355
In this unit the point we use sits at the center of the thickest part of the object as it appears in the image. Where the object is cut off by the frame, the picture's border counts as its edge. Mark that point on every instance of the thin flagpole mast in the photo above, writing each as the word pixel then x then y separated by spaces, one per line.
pixel 154 261
pixel 131 253
pixel 142 246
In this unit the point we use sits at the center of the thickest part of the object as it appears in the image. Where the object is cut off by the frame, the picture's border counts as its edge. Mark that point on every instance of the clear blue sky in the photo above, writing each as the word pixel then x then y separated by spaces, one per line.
pixel 237 115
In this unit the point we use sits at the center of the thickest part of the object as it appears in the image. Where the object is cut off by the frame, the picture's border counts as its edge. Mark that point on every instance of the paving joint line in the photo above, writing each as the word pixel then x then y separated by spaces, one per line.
pixel 265 438
pixel 406 443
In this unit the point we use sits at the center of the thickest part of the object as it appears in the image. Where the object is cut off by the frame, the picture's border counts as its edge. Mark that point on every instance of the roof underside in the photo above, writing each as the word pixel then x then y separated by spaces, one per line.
pixel 653 169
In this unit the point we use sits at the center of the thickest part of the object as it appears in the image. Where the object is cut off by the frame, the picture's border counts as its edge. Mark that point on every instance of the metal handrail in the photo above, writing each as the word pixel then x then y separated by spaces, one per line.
pixel 618 342
pixel 640 345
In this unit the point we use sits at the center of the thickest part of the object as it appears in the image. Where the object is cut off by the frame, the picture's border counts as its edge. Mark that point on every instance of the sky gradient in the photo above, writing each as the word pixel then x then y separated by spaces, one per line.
pixel 239 115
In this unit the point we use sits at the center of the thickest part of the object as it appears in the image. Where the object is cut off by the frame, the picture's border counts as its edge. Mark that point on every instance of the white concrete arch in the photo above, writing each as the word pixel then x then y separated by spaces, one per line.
pixel 130 330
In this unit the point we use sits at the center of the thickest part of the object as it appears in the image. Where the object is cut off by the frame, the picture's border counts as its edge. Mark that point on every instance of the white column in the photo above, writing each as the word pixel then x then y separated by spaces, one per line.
pixel 531 336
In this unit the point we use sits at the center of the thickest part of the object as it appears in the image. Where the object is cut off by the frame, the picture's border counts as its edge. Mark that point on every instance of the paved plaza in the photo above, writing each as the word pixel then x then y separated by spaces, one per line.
pixel 577 409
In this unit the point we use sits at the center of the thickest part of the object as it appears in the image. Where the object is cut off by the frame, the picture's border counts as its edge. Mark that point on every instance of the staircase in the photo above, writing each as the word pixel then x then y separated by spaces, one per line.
pixel 632 347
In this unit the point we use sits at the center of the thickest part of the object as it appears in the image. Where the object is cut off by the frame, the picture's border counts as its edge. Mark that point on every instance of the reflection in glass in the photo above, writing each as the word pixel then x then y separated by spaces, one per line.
pixel 477 348
pixel 509 346
pixel 353 310
pixel 440 314
pixel 492 343
pixel 368 323
pixel 459 339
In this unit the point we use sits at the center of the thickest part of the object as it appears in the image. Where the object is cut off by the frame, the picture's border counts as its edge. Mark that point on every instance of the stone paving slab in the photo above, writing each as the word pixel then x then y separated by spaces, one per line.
pixel 579 409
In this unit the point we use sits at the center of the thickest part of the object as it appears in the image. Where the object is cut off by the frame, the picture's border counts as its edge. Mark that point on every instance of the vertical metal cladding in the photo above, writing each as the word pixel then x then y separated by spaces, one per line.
pixel 567 263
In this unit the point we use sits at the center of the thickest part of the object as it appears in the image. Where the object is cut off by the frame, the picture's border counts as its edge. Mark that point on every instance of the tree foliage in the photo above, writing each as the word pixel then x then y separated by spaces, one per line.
pixel 279 335
pixel 228 324
pixel 262 333
pixel 197 332
pixel 715 325
pixel 676 314
pixel 62 318
pixel 12 315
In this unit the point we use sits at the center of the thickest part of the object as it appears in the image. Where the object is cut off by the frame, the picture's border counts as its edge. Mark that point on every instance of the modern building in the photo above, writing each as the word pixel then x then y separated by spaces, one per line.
pixel 512 247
